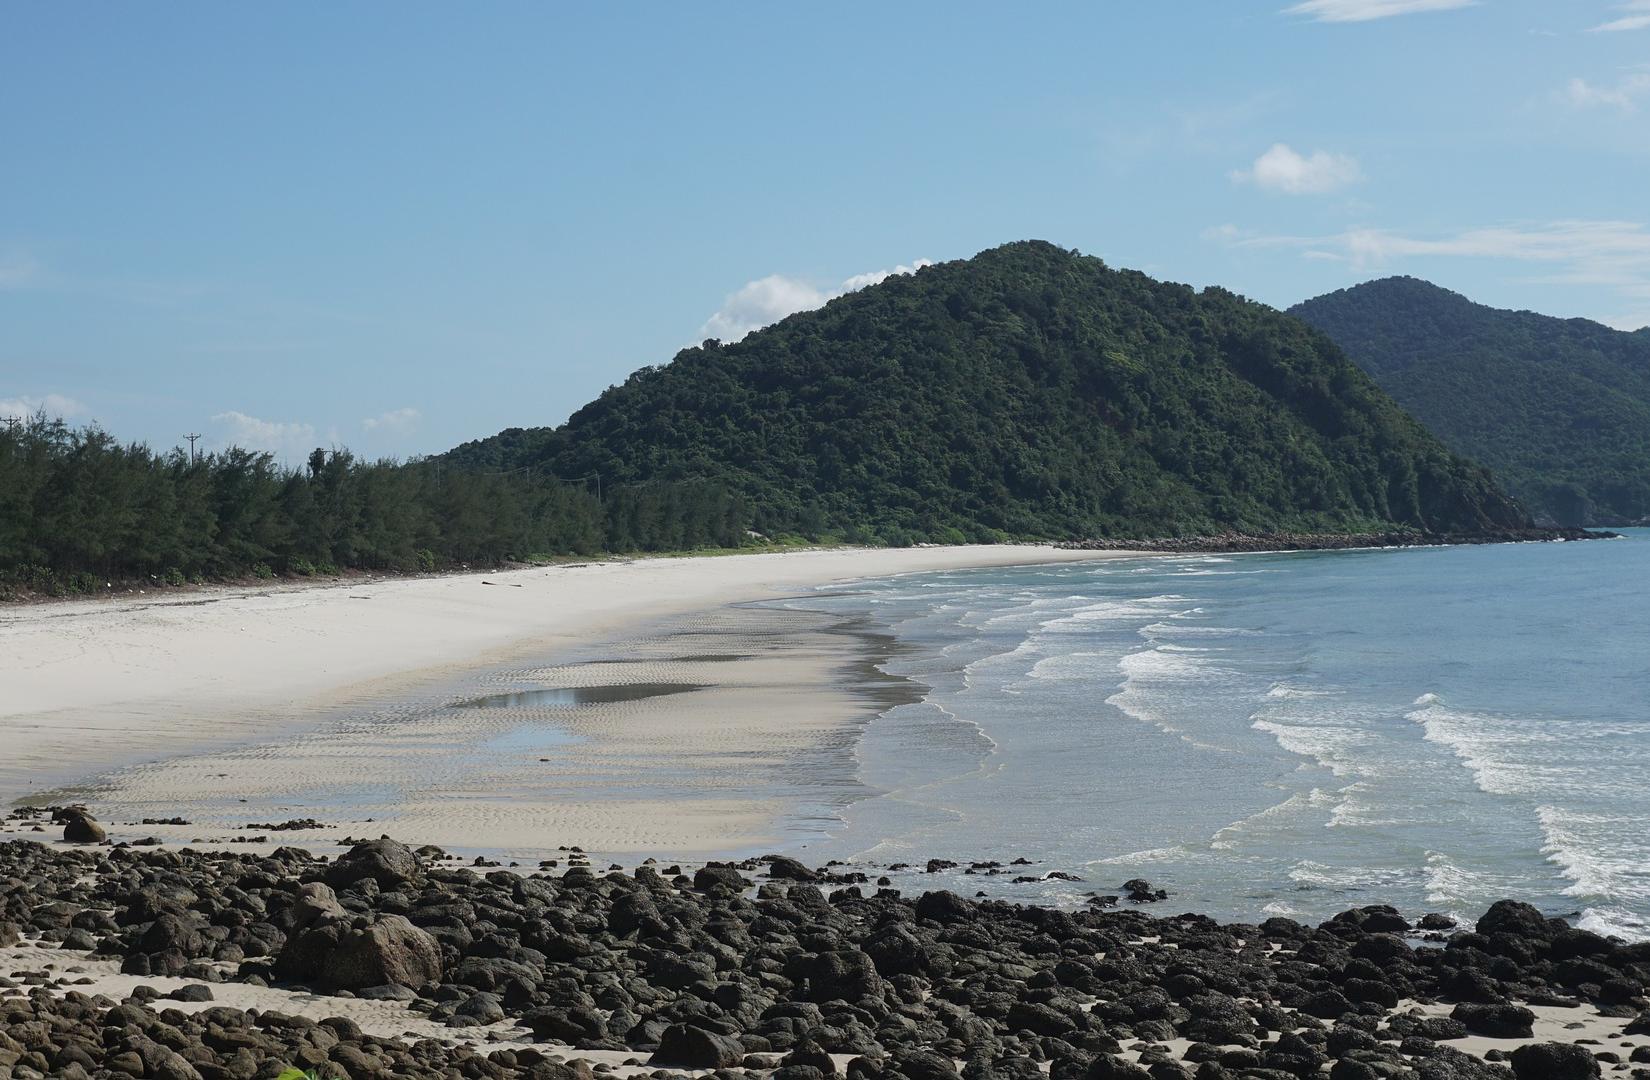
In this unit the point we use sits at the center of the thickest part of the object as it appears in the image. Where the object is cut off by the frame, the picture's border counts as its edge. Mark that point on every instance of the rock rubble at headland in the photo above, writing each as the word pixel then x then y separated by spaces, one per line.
pixel 1242 542
pixel 766 967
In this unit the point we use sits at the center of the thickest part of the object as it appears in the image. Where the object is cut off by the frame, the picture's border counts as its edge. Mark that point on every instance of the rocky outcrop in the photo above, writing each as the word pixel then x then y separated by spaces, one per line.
pixel 695 973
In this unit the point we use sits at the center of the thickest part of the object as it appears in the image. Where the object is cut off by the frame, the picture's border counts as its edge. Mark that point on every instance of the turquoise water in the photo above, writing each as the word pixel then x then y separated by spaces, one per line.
pixel 1276 734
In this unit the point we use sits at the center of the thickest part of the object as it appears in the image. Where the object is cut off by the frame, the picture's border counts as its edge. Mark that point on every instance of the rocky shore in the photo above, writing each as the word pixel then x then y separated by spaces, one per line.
pixel 1242 542
pixel 131 961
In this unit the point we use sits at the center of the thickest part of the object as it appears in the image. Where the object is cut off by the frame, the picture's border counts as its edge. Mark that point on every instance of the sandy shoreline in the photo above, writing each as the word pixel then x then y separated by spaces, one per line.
pixel 339 703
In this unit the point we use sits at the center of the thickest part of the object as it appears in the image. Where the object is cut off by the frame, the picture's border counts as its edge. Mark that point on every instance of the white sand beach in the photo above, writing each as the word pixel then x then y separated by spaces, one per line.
pixel 242 704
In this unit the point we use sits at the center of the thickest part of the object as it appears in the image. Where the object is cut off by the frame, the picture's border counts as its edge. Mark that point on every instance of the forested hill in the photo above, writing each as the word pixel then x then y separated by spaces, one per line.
pixel 1558 409
pixel 1028 391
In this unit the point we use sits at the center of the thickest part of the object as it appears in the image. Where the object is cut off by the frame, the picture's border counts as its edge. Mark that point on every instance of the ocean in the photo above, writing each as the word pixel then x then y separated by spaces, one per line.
pixel 1272 734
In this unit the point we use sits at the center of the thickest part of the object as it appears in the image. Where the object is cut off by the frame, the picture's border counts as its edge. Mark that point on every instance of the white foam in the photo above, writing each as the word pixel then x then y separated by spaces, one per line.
pixel 1301 801
pixel 1148 669
pixel 1447 882
pixel 1281 691
pixel 1602 855
pixel 1067 666
pixel 1149 855
pixel 1158 629
pixel 1315 875
pixel 1489 746
pixel 1333 746
pixel 1084 618
pixel 1614 922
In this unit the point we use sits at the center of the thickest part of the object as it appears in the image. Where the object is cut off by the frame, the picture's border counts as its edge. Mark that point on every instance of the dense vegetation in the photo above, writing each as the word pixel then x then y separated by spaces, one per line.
pixel 1027 392
pixel 78 509
pixel 1558 409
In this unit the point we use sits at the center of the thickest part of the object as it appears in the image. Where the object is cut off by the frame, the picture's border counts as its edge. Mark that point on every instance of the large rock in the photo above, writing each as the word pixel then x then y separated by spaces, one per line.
pixel 172 932
pixel 942 905
pixel 338 956
pixel 316 903
pixel 79 827
pixel 391 864
pixel 1516 918
pixel 897 951
pixel 689 1047
pixel 780 866
pixel 842 975
pixel 921 1065
pixel 718 875
pixel 1496 1021
pixel 1554 1061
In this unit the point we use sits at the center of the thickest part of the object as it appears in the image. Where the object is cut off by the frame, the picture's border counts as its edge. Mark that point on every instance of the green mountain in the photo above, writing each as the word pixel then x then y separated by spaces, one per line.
pixel 1558 409
pixel 1026 392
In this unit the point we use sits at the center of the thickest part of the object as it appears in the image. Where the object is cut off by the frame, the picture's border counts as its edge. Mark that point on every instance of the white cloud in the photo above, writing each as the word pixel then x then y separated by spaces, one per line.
pixel 877 277
pixel 758 303
pixel 396 421
pixel 767 300
pixel 18 269
pixel 282 438
pixel 54 405
pixel 1624 95
pixel 1283 169
pixel 1339 11
pixel 1613 255
pixel 1637 18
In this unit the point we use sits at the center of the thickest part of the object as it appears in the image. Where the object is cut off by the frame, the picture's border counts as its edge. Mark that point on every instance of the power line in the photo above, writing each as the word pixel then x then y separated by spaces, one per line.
pixel 192 439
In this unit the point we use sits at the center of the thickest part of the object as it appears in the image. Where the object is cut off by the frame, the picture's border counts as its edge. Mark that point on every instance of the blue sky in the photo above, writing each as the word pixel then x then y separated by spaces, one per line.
pixel 397 226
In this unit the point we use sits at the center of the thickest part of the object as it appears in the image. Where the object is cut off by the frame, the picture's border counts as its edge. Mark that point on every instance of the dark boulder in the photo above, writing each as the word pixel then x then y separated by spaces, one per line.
pixel 1140 891
pixel 842 975
pixel 1554 1061
pixel 1496 1021
pixel 897 951
pixel 1515 918
pixel 79 827
pixel 920 1065
pixel 716 875
pixel 689 1047
pixel 780 866
pixel 387 862
pixel 1112 1067
pixel 943 906
pixel 341 957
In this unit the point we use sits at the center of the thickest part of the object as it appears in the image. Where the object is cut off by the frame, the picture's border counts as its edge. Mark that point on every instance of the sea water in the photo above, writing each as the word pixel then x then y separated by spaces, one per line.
pixel 1274 734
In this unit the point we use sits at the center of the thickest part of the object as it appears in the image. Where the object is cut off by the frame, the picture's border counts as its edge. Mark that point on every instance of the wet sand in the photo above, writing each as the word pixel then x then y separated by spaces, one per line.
pixel 647 708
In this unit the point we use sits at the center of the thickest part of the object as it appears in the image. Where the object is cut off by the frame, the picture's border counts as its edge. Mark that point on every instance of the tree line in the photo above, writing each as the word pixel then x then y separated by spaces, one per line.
pixel 80 509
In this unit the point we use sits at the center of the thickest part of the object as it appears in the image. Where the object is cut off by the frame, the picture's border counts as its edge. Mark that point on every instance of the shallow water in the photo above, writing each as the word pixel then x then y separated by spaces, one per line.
pixel 1276 734
pixel 570 696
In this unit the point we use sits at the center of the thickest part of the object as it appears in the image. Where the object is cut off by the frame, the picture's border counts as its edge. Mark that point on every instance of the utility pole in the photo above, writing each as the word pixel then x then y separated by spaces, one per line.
pixel 192 439
pixel 11 422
